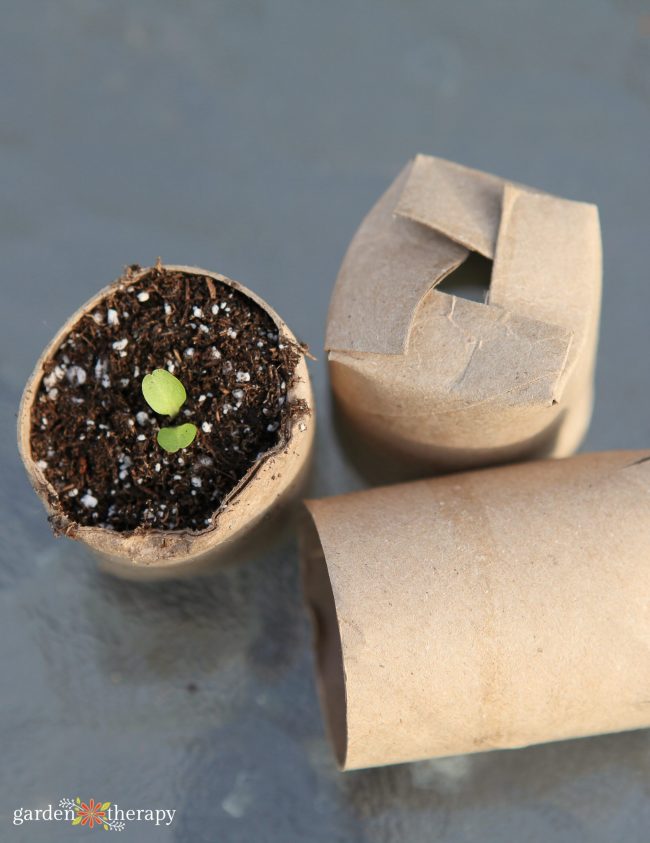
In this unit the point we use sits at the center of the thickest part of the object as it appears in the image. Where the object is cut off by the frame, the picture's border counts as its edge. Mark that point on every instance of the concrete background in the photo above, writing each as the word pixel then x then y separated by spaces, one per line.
pixel 250 137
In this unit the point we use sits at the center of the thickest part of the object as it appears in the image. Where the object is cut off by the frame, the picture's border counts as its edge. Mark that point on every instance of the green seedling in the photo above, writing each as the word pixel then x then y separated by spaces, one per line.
pixel 165 394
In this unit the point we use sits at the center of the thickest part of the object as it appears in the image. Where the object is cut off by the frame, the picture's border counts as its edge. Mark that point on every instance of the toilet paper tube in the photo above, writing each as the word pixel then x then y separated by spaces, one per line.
pixel 483 610
pixel 268 487
pixel 455 382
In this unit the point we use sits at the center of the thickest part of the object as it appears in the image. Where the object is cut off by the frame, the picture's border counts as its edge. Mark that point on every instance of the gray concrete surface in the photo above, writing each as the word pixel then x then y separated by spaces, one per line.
pixel 249 137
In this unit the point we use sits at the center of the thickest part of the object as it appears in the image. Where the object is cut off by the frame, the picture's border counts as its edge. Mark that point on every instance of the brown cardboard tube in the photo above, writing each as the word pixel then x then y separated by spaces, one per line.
pixel 273 481
pixel 483 610
pixel 460 383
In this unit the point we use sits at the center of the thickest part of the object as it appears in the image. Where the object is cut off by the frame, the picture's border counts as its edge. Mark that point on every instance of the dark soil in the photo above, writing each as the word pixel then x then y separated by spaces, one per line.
pixel 96 435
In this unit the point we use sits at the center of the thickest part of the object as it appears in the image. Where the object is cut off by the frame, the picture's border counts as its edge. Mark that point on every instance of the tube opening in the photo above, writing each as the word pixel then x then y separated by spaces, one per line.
pixel 328 652
pixel 470 281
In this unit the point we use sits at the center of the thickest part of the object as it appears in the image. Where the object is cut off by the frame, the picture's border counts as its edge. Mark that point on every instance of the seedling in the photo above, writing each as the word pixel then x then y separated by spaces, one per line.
pixel 165 394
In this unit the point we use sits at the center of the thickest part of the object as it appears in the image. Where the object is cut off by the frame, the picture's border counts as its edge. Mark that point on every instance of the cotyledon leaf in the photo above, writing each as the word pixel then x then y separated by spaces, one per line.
pixel 172 439
pixel 163 392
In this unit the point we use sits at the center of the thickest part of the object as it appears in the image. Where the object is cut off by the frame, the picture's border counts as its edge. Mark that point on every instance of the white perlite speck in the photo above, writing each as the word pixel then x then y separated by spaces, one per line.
pixel 73 493
pixel 141 437
pixel 196 482
pixel 76 375
pixel 101 368
pixel 189 352
pixel 232 333
pixel 89 501
pixel 215 353
pixel 55 375
pixel 243 377
pixel 238 394
pixel 42 465
pixel 168 309
pixel 196 311
pixel 120 345
pixel 215 308
pixel 112 317
pixel 142 418
pixel 143 296
pixel 206 427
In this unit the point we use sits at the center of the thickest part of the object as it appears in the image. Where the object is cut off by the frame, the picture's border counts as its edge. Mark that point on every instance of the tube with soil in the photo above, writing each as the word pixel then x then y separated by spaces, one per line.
pixel 88 438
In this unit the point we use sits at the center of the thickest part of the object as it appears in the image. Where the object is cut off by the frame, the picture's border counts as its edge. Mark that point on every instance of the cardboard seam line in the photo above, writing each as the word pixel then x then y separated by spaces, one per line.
pixel 494 730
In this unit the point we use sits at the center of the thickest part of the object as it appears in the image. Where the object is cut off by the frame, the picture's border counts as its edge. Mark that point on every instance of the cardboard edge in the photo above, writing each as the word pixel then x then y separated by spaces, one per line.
pixel 327 640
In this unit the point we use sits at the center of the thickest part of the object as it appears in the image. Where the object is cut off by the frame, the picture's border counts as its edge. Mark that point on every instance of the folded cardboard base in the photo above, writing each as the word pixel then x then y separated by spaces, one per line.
pixel 455 382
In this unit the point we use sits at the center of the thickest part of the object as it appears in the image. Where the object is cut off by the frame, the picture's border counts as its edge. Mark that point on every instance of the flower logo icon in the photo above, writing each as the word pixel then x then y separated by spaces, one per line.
pixel 91 813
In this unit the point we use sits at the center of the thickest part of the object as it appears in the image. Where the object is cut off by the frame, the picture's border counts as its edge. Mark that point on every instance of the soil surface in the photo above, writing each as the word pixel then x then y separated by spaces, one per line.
pixel 94 435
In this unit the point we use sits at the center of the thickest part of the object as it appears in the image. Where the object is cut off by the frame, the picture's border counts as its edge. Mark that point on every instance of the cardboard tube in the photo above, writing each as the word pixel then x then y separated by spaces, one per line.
pixel 273 480
pixel 483 610
pixel 460 383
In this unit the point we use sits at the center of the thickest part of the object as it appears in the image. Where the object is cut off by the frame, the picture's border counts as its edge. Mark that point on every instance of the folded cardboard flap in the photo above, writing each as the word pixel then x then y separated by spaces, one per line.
pixel 390 265
pixel 388 324
pixel 483 610
pixel 458 202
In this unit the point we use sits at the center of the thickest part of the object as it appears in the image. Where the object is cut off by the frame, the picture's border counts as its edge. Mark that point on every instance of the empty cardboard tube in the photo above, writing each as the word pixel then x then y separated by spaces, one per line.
pixel 483 610
pixel 272 481
pixel 460 383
